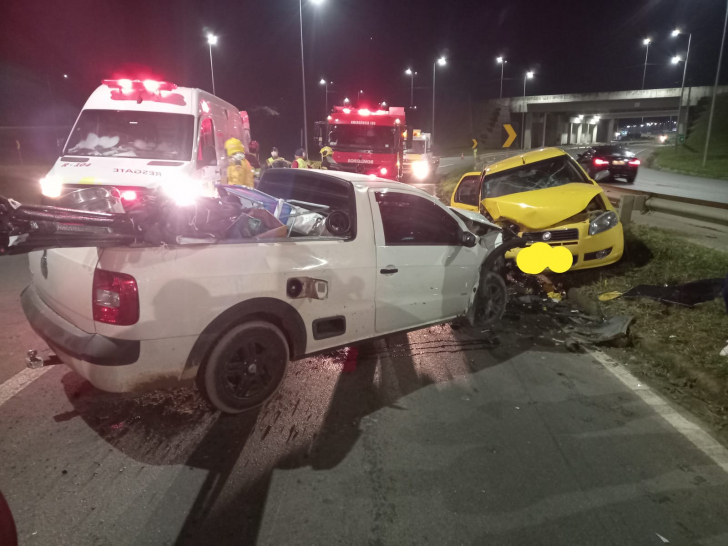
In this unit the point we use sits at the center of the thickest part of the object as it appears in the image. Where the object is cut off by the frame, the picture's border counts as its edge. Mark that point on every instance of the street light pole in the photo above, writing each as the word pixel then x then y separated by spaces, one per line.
pixel 682 90
pixel 303 80
pixel 646 42
pixel 502 62
pixel 527 76
pixel 715 89
pixel 211 41
pixel 326 88
pixel 412 75
pixel 441 61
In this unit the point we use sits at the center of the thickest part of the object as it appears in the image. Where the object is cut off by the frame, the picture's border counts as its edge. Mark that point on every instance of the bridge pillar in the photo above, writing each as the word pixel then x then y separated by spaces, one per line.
pixel 543 130
pixel 579 128
pixel 527 130
pixel 594 133
pixel 610 131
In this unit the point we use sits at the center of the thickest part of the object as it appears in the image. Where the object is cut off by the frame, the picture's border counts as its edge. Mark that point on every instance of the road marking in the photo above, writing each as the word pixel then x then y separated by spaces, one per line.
pixel 693 432
pixel 18 382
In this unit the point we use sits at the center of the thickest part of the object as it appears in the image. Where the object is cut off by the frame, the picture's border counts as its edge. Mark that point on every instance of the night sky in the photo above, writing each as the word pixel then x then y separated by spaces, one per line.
pixel 573 46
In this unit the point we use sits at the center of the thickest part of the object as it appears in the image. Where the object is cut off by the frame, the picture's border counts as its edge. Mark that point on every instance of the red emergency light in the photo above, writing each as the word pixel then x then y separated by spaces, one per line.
pixel 151 86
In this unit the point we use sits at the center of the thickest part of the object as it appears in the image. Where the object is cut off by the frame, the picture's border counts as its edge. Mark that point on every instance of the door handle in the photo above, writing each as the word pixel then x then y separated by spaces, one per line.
pixel 390 270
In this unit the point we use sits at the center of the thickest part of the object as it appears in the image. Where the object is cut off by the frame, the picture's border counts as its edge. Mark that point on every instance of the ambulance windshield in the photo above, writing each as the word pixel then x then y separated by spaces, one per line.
pixel 120 133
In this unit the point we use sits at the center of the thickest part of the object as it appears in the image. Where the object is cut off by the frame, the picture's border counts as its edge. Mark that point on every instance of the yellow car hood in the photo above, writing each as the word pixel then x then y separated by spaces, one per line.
pixel 540 209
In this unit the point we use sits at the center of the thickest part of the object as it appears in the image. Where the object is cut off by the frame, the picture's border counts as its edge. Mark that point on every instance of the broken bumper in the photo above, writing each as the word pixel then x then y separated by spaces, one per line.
pixel 588 250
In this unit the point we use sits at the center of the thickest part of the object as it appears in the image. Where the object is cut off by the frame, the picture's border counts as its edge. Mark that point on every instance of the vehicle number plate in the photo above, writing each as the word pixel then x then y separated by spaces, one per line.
pixel 617 162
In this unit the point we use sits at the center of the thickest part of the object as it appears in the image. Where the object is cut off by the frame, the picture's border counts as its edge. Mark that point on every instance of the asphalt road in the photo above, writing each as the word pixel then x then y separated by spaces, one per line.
pixel 434 437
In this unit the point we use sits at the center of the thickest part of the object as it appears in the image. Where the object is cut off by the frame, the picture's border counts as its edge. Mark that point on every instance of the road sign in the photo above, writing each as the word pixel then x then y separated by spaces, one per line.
pixel 511 135
pixel 475 144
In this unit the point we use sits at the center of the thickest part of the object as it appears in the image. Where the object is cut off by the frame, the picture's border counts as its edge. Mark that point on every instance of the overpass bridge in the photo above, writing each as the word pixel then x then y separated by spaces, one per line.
pixel 581 118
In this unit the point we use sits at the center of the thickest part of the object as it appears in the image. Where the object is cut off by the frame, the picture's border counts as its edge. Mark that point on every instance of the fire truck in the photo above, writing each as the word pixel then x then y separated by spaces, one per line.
pixel 363 141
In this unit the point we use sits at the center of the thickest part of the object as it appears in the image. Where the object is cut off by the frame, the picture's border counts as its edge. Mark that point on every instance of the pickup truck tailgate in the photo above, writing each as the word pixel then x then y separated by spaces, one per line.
pixel 63 278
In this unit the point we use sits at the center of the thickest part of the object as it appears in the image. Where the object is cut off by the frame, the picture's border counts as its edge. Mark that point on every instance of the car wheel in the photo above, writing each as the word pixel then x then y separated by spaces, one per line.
pixel 492 299
pixel 630 179
pixel 245 367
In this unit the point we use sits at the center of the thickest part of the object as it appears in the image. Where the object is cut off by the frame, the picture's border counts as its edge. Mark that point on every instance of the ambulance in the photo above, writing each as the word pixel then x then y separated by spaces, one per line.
pixel 139 135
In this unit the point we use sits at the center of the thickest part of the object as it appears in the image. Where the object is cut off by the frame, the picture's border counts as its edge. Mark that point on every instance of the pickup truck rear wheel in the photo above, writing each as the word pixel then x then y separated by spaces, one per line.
pixel 490 303
pixel 245 367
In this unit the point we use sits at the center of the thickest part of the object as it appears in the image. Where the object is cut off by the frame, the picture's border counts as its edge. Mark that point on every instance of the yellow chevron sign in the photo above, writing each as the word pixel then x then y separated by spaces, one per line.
pixel 511 135
pixel 475 144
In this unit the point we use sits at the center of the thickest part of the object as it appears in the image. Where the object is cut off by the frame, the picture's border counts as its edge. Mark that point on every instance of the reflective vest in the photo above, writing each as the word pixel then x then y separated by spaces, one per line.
pixel 271 160
pixel 241 175
pixel 301 163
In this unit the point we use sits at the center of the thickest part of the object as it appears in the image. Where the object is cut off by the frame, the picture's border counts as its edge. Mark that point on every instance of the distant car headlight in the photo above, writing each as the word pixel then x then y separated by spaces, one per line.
pixel 51 186
pixel 603 222
pixel 421 169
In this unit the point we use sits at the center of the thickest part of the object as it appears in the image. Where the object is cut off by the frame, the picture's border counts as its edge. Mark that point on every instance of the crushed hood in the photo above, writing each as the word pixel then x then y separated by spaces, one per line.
pixel 539 209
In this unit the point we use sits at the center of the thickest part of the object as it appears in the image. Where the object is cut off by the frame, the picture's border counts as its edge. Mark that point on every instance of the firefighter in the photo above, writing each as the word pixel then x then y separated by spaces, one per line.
pixel 299 162
pixel 239 171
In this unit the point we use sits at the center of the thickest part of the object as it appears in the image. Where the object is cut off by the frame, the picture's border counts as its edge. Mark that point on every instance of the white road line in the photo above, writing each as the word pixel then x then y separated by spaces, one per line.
pixel 693 432
pixel 18 382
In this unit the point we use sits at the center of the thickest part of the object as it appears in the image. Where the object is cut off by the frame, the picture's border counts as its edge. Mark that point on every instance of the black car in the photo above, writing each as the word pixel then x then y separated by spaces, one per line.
pixel 620 162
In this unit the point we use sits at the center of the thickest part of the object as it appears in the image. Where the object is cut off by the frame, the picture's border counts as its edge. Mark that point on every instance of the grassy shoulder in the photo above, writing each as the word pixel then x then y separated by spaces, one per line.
pixel 687 161
pixel 675 343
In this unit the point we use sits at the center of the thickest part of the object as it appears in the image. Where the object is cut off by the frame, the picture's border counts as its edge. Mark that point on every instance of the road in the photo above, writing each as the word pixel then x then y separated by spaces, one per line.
pixel 668 183
pixel 439 436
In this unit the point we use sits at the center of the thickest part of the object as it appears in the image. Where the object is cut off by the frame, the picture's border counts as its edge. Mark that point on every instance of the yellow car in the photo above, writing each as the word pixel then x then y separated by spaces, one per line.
pixel 546 196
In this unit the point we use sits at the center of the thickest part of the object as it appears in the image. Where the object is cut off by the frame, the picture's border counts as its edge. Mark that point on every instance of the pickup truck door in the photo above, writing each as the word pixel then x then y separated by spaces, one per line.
pixel 423 273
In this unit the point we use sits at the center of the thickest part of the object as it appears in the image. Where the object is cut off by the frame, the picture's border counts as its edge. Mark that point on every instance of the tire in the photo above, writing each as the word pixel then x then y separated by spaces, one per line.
pixel 491 300
pixel 630 179
pixel 228 379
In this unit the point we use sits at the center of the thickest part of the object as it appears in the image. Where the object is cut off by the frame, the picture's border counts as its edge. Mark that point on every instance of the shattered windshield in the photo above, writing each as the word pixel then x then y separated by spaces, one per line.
pixel 119 133
pixel 358 137
pixel 549 173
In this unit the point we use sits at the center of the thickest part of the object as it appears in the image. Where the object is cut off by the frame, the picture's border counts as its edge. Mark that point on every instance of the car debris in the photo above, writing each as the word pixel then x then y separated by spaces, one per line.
pixel 608 296
pixel 688 294
pixel 600 333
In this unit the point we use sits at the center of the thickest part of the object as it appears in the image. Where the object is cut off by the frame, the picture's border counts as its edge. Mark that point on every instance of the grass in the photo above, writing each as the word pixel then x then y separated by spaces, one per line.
pixel 688 161
pixel 675 341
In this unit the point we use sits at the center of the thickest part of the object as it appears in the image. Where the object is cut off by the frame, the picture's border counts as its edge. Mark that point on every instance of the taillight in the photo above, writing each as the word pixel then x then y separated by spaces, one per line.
pixel 115 298
pixel 128 195
pixel 600 162
pixel 634 162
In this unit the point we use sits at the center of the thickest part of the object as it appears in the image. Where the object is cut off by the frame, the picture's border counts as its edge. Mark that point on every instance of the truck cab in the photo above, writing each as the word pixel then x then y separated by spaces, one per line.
pixel 419 159
pixel 139 135
pixel 363 141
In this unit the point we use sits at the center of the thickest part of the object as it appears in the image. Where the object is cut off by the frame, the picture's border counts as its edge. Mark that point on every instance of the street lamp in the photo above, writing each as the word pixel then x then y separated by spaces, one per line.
pixel 647 43
pixel 502 62
pixel 715 89
pixel 346 101
pixel 358 94
pixel 442 62
pixel 211 41
pixel 527 77
pixel 412 75
pixel 65 76
pixel 326 88
pixel 303 74
pixel 675 60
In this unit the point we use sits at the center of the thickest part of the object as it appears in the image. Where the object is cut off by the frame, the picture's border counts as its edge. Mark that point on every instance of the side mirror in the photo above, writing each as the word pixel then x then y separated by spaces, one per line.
pixel 209 156
pixel 468 239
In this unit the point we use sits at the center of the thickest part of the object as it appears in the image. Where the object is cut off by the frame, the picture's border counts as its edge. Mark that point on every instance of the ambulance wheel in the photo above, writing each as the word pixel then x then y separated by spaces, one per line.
pixel 245 367
pixel 490 303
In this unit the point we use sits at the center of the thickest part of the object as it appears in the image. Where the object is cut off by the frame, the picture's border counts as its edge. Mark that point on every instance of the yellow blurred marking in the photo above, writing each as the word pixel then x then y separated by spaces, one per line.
pixel 537 257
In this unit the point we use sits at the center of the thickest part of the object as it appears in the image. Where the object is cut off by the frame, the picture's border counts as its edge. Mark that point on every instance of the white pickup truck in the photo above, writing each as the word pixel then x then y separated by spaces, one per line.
pixel 231 315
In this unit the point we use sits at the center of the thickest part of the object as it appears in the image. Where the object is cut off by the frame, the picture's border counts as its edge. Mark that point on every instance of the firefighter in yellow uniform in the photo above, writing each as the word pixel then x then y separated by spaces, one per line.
pixel 239 171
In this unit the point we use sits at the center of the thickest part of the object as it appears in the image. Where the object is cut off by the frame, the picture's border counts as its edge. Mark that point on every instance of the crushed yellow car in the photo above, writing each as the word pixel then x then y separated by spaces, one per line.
pixel 547 197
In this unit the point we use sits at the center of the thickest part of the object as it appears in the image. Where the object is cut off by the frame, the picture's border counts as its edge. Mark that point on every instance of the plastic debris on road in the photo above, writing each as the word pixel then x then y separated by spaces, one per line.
pixel 689 294
pixel 609 296
pixel 608 331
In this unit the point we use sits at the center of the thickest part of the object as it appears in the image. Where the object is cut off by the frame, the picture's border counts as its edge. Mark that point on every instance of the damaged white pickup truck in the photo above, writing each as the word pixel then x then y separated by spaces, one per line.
pixel 347 258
